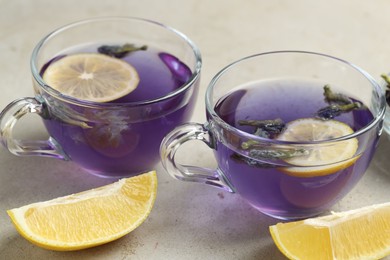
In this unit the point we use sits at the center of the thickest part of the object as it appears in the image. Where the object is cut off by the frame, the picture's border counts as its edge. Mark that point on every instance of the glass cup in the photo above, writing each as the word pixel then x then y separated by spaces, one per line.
pixel 107 139
pixel 264 176
pixel 386 89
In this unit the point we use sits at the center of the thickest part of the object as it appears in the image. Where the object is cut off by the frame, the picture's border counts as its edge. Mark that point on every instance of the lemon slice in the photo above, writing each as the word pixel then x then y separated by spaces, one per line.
pixel 357 234
pixel 321 159
pixel 92 77
pixel 88 218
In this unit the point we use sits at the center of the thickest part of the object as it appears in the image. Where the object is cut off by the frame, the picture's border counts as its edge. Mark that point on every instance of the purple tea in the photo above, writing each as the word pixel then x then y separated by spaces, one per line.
pixel 267 186
pixel 125 140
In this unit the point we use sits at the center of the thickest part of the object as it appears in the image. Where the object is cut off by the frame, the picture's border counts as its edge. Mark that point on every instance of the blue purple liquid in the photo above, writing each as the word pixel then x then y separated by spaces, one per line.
pixel 125 141
pixel 269 189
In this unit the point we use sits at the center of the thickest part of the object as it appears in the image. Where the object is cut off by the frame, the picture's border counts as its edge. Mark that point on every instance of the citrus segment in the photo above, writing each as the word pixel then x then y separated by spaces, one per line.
pixel 321 159
pixel 92 77
pixel 88 218
pixel 357 234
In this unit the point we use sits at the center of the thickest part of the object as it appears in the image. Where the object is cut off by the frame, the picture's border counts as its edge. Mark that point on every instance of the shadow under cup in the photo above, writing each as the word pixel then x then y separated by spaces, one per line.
pixel 262 175
pixel 108 139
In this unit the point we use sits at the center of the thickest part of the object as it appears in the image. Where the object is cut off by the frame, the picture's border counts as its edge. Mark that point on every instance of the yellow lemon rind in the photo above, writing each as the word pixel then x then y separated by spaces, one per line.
pixel 317 171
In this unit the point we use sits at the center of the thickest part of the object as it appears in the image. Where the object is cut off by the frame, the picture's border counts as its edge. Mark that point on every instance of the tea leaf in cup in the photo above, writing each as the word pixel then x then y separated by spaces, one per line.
pixel 119 51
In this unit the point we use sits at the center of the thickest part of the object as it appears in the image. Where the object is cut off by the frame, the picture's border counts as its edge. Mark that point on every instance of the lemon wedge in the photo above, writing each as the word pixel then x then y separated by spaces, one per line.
pixel 357 234
pixel 322 159
pixel 89 218
pixel 91 77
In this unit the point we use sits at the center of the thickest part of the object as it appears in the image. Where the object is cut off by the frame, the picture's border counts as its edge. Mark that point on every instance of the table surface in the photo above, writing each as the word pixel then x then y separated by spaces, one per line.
pixel 188 221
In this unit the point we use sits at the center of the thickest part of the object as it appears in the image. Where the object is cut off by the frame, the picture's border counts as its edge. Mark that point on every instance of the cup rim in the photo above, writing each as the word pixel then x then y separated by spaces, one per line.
pixel 215 117
pixel 36 75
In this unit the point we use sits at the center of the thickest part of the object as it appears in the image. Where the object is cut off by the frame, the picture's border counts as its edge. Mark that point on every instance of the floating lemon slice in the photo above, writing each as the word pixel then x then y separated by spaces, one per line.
pixel 357 234
pixel 88 218
pixel 322 159
pixel 92 77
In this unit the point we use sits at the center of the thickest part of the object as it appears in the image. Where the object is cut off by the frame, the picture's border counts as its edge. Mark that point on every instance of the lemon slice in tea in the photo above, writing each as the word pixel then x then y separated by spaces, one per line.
pixel 334 156
pixel 92 77
pixel 89 218
pixel 357 234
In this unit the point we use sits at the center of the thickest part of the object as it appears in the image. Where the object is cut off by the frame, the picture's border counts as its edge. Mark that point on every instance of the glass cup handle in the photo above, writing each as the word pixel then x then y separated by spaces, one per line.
pixel 8 118
pixel 169 147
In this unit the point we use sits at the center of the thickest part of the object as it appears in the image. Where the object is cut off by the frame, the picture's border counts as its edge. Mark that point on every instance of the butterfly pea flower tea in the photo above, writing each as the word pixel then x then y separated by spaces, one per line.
pixel 108 91
pixel 292 132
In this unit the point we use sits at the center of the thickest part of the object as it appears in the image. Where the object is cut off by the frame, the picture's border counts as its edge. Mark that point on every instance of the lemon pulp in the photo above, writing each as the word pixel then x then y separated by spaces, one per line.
pixel 357 234
pixel 91 77
pixel 89 218
pixel 322 159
